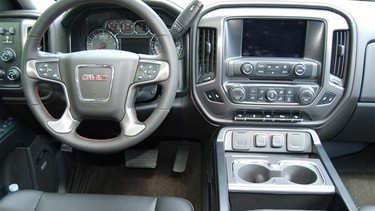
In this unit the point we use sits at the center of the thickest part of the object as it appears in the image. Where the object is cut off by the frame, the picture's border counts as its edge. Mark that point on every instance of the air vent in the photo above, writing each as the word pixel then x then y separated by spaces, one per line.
pixel 340 54
pixel 207 55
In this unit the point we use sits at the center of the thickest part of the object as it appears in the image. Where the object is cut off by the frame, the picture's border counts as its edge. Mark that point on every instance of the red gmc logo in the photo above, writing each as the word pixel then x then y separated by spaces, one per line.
pixel 94 77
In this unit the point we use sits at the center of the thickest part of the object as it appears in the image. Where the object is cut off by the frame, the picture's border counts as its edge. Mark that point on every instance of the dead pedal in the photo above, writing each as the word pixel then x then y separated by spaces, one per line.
pixel 182 156
pixel 137 158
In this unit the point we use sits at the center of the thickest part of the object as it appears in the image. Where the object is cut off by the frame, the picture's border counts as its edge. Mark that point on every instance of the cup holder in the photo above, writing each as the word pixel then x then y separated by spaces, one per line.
pixel 299 175
pixel 254 173
pixel 283 173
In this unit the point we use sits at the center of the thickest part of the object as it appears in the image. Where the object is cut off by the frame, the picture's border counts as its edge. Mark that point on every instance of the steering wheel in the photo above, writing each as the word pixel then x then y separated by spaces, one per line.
pixel 100 84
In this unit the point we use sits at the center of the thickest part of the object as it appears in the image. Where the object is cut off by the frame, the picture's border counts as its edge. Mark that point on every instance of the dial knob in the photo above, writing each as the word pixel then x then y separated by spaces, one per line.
pixel 237 94
pixel 8 55
pixel 271 95
pixel 247 68
pixel 299 69
pixel 2 74
pixel 14 74
pixel 306 95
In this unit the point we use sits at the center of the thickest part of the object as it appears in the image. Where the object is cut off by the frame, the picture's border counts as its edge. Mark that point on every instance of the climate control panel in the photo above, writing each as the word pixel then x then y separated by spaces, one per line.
pixel 277 94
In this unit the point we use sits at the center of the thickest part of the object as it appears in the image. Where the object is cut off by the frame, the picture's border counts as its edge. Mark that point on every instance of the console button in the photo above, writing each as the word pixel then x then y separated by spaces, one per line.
pixel 217 96
pixel 327 98
pixel 253 97
pixel 239 117
pixel 289 99
pixel 261 66
pixel 261 140
pixel 241 140
pixel 277 141
pixel 296 142
pixel 289 91
pixel 210 95
pixel 8 55
pixel 282 118
pixel 14 74
pixel 254 117
pixel 253 90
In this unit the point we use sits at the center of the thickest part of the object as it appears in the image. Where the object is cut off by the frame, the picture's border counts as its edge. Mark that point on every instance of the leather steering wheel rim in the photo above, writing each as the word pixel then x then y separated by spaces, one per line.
pixel 64 129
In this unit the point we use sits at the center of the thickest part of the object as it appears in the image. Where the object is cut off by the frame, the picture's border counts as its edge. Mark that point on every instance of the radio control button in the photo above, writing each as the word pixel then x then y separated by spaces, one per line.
pixel 247 68
pixel 271 95
pixel 261 66
pixel 299 69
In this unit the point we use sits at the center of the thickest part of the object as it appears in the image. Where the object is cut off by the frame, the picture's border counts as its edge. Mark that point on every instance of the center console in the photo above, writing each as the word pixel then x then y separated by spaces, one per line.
pixel 273 168
pixel 270 74
pixel 272 65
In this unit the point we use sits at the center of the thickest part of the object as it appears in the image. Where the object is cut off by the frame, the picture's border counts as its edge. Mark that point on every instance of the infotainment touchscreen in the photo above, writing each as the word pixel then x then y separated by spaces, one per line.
pixel 273 38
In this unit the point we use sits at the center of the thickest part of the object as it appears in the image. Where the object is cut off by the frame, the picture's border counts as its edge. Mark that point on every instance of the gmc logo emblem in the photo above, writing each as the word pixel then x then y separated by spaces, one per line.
pixel 94 77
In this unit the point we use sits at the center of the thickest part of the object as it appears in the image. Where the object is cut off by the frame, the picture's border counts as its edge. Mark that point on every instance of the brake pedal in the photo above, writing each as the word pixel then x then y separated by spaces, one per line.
pixel 137 158
pixel 182 156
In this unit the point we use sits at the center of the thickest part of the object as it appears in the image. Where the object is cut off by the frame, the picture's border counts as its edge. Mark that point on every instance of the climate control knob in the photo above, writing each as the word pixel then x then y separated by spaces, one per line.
pixel 14 74
pixel 306 95
pixel 271 95
pixel 7 55
pixel 238 94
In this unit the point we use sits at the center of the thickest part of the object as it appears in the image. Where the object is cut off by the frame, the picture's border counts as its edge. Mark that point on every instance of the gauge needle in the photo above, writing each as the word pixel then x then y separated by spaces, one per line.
pixel 101 45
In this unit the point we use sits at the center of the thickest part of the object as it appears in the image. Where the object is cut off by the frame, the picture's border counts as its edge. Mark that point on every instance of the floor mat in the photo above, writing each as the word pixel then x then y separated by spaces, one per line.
pixel 357 171
pixel 117 179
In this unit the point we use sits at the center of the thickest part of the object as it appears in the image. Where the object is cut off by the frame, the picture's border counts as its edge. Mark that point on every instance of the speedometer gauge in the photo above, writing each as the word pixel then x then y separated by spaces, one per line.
pixel 101 39
pixel 156 48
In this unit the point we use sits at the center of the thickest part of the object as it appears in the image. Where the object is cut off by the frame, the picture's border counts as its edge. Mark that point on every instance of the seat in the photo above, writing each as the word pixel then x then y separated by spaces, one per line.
pixel 31 200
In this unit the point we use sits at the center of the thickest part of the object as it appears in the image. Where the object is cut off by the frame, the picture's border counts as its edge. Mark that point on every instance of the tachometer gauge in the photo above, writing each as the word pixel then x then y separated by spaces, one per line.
pixel 127 27
pixel 113 26
pixel 102 39
pixel 141 27
pixel 156 48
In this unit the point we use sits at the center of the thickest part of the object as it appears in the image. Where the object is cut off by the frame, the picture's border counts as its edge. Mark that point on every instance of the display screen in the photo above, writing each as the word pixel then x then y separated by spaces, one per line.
pixel 273 38
pixel 136 45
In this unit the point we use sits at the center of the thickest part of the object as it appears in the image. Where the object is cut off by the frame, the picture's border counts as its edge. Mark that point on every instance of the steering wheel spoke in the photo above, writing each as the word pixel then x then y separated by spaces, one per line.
pixel 45 67
pixel 151 70
pixel 66 124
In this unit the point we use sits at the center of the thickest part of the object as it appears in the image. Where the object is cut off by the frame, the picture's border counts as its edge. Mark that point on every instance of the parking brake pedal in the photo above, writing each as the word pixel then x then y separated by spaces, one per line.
pixel 181 158
pixel 137 158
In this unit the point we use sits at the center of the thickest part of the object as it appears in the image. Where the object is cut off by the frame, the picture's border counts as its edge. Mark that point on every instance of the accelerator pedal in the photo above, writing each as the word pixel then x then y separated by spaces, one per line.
pixel 181 158
pixel 138 158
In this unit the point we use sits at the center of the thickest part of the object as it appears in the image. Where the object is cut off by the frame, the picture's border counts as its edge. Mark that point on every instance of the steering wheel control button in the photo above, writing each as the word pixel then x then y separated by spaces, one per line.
pixel 277 141
pixel 14 74
pixel 241 140
pixel 48 70
pixel 299 69
pixel 327 98
pixel 237 94
pixel 7 55
pixel 260 140
pixel 247 68
pixel 147 72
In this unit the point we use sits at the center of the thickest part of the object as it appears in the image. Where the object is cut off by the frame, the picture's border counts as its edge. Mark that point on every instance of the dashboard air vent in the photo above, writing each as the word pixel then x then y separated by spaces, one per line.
pixel 206 54
pixel 43 46
pixel 340 53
